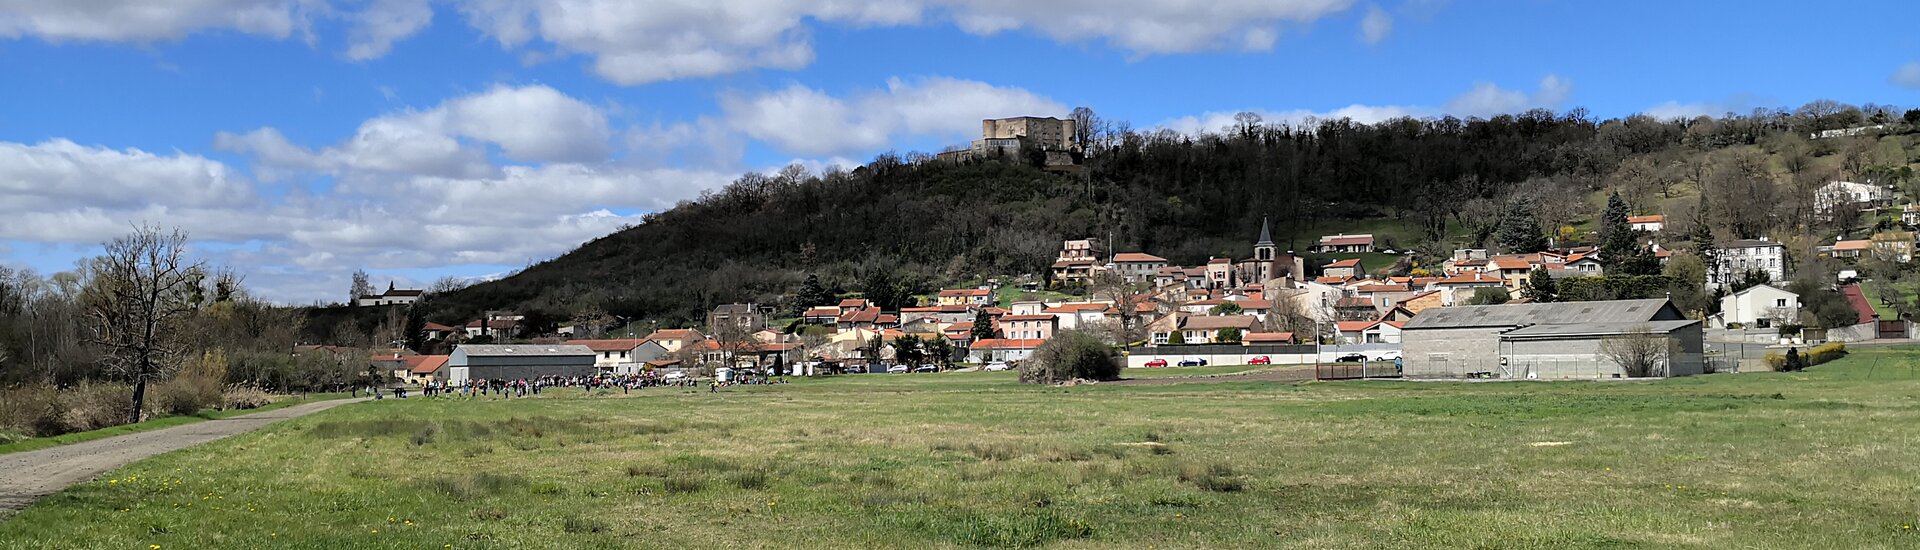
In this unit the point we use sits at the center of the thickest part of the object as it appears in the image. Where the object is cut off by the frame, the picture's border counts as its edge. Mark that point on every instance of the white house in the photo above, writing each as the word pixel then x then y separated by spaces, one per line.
pixel 1759 306
pixel 1739 257
pixel 392 297
pixel 1847 192
pixel 1910 214
pixel 1650 224
pixel 1003 349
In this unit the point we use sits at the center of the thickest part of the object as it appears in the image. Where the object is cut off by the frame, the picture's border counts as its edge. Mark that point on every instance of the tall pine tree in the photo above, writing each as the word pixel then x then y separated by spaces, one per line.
pixel 813 294
pixel 982 325
pixel 1703 244
pixel 1519 231
pixel 1540 286
pixel 1620 249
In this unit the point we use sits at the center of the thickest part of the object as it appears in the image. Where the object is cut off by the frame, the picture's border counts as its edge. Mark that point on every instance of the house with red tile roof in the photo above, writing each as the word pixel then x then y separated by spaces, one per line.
pixel 1267 338
pixel 1137 267
pixel 622 354
pixel 1198 329
pixel 821 315
pixel 965 297
pixel 1039 326
pixel 1003 349
pixel 422 369
pixel 1650 224
pixel 672 339
pixel 1344 244
pixel 1348 268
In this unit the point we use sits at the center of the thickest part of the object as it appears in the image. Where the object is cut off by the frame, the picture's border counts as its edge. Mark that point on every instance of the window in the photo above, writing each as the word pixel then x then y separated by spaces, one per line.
pixel 1781 302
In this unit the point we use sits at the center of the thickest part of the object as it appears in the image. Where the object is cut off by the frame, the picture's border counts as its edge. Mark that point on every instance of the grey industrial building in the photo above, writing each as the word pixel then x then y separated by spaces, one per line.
pixel 518 361
pixel 1543 341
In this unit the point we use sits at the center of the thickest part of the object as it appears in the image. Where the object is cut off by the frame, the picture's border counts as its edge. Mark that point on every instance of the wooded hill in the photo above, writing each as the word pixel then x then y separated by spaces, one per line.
pixel 901 226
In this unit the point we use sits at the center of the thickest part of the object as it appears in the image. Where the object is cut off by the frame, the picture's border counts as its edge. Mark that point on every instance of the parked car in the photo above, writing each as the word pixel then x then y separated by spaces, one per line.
pixel 1261 360
pixel 999 366
pixel 1389 357
pixel 897 369
pixel 1193 362
pixel 1156 363
pixel 675 375
pixel 926 368
pixel 1352 358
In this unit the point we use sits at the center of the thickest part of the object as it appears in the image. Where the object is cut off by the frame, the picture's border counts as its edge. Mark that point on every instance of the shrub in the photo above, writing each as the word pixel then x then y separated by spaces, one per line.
pixel 244 397
pixel 94 405
pixel 31 410
pixel 1069 355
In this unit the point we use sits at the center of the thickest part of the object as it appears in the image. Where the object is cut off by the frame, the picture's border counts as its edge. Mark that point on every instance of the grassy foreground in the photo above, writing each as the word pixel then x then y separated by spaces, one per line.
pixel 1822 459
pixel 38 443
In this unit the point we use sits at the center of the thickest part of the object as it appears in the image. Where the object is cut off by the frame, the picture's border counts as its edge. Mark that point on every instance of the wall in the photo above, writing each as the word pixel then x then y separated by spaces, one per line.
pixel 1856 333
pixel 1222 354
pixel 1465 350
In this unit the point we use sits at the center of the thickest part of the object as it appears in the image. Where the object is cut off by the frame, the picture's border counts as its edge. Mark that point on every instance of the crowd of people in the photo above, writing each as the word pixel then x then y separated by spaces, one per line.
pixel 526 387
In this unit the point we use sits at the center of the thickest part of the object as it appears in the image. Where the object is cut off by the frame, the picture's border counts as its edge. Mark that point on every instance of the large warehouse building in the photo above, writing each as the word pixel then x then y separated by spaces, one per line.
pixel 518 361
pixel 1548 341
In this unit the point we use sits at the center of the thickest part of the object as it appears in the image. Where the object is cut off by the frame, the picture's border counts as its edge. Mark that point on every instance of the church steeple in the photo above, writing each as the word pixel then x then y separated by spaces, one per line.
pixel 1263 249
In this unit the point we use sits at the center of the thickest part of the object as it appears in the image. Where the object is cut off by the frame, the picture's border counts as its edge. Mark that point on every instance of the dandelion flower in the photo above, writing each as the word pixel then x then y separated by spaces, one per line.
pixel 112 481
pixel 375 531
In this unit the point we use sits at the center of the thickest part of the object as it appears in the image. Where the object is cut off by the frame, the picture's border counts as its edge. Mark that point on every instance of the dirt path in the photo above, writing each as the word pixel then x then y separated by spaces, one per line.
pixel 27 476
pixel 1289 373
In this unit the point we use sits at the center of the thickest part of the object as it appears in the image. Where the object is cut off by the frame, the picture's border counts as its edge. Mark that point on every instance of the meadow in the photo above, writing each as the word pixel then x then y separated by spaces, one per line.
pixel 1827 458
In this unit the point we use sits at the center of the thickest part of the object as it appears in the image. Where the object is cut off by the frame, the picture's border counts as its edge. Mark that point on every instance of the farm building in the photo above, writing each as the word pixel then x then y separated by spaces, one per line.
pixel 518 361
pixel 1549 340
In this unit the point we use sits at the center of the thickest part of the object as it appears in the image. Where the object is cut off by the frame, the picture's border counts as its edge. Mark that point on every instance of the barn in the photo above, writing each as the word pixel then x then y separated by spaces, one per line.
pixel 1547 341
pixel 518 361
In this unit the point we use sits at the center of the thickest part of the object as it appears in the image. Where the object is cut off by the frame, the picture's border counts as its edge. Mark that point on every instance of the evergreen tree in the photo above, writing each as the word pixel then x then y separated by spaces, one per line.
pixel 1702 238
pixel 1519 231
pixel 812 293
pixel 982 325
pixel 416 329
pixel 1227 335
pixel 1616 235
pixel 1177 338
pixel 1540 286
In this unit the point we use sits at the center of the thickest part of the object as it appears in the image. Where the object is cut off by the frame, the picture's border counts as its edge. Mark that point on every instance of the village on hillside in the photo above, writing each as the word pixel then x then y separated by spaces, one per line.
pixel 1532 308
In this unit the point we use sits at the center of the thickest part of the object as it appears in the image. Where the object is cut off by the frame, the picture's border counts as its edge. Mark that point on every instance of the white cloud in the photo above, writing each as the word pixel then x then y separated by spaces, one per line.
pixel 532 123
pixel 1483 100
pixel 635 42
pixel 1674 109
pixel 371 30
pixel 143 20
pixel 805 121
pixel 1487 99
pixel 1215 121
pixel 1907 76
pixel 1376 25
pixel 640 42
pixel 383 22
pixel 60 192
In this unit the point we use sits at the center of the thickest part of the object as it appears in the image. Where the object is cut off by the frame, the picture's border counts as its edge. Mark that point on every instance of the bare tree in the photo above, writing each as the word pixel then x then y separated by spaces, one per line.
pixel 446 285
pixel 360 287
pixel 142 291
pixel 1639 352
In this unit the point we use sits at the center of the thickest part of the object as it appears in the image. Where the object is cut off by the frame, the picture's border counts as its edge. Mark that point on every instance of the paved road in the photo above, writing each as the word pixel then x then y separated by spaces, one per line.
pixel 27 476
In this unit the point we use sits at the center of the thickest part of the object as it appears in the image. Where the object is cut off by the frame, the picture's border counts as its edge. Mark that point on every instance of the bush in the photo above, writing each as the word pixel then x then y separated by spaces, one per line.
pixel 1069 355
pixel 1817 355
pixel 184 396
pixel 94 405
pixel 31 410
pixel 244 397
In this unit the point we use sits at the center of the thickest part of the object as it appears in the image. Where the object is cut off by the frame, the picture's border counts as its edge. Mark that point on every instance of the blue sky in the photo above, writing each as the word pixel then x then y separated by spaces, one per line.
pixel 299 140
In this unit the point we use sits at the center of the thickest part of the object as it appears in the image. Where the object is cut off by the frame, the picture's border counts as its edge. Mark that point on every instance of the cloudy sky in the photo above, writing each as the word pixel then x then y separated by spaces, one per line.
pixel 298 140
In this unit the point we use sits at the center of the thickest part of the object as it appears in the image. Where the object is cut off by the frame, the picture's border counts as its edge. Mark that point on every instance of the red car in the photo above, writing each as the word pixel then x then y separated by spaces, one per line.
pixel 1157 363
pixel 1261 360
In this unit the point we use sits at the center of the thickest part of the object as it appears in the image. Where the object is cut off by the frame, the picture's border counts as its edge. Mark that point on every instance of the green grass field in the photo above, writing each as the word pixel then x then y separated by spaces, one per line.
pixel 1828 458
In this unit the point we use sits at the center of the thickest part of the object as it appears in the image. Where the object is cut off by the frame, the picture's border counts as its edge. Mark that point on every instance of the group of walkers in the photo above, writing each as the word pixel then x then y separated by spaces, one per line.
pixel 527 387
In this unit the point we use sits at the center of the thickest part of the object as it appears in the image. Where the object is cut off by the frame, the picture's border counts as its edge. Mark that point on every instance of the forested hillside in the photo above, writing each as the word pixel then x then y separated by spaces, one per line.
pixel 904 225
